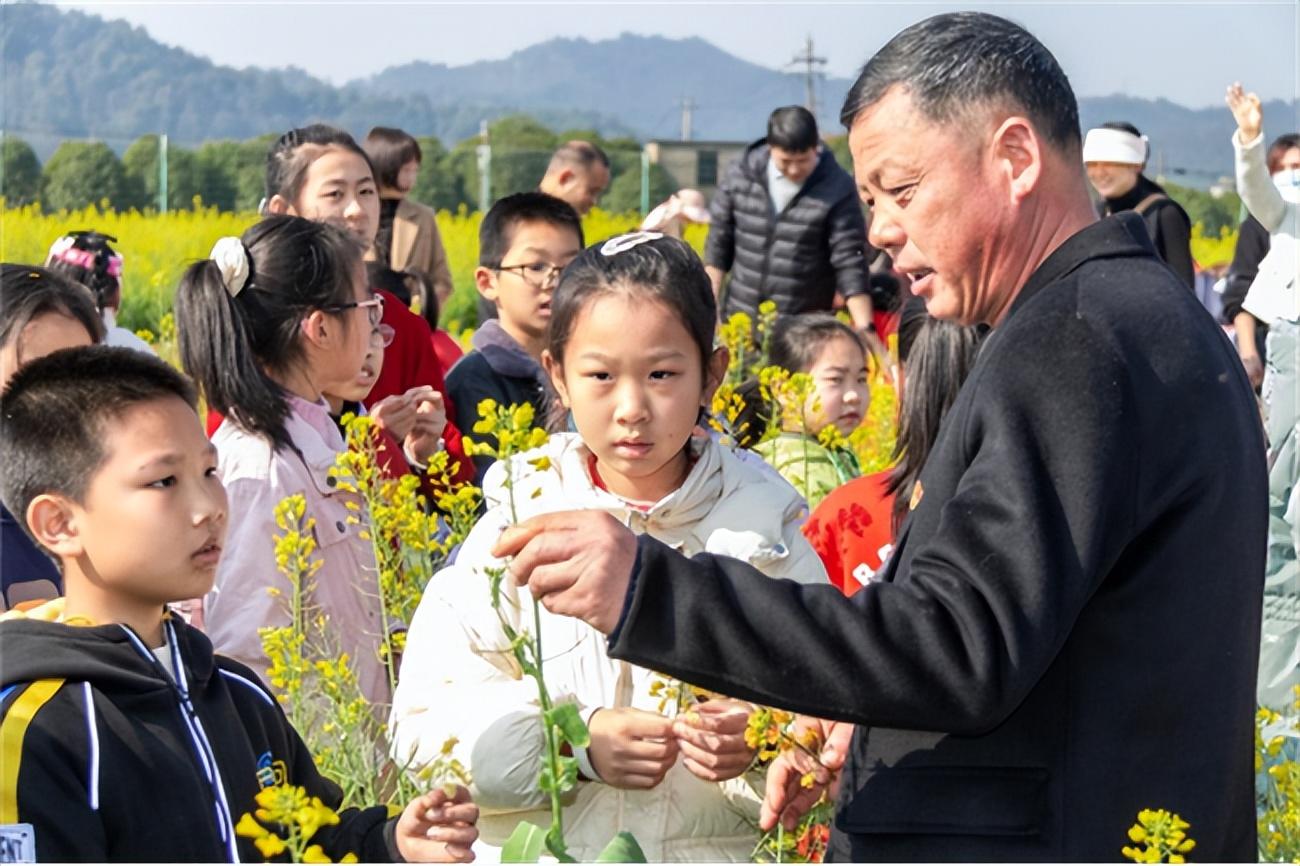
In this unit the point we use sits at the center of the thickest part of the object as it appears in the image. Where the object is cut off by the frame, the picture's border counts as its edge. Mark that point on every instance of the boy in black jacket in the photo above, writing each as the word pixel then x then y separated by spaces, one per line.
pixel 525 240
pixel 123 738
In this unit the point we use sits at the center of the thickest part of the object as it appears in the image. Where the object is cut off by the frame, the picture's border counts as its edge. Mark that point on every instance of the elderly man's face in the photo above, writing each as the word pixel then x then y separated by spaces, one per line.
pixel 938 208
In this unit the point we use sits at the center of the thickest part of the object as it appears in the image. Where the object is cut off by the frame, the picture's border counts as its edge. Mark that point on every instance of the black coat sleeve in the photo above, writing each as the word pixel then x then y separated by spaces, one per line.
pixel 847 240
pixel 963 632
pixel 1252 246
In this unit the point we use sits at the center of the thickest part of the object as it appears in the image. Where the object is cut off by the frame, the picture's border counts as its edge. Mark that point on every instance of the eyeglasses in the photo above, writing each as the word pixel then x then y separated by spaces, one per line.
pixel 382 336
pixel 374 309
pixel 536 274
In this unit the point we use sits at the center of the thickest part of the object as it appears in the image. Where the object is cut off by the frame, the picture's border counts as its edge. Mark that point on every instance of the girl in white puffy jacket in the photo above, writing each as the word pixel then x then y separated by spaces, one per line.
pixel 631 356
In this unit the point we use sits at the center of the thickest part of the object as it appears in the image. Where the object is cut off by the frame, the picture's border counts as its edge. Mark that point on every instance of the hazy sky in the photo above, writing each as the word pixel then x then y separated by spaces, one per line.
pixel 1183 51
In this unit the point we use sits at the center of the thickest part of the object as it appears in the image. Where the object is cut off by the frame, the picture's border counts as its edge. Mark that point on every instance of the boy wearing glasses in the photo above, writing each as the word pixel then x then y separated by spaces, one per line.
pixel 525 240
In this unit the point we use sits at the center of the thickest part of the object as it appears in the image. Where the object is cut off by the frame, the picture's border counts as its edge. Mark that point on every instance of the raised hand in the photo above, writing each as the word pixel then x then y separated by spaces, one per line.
pixel 1247 112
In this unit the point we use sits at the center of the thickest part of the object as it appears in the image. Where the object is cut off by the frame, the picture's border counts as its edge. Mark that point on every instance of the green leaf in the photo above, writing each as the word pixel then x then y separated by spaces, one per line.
pixel 572 728
pixel 524 845
pixel 568 774
pixel 623 848
pixel 555 844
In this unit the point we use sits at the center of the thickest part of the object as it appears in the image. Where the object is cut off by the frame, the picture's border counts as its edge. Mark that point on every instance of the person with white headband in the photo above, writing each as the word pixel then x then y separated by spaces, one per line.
pixel 1115 154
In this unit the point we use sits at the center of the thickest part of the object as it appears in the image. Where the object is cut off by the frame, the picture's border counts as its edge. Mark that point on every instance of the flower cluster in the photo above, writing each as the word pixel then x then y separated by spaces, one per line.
pixel 680 696
pixel 285 821
pixel 1163 836
pixel 1277 744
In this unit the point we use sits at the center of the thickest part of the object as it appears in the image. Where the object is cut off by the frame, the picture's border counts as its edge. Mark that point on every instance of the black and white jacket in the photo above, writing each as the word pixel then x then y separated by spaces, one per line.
pixel 110 759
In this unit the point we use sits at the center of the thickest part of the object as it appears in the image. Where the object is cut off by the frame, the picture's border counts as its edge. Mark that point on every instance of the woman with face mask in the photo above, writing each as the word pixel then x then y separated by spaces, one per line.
pixel 1274 200
pixel 1115 154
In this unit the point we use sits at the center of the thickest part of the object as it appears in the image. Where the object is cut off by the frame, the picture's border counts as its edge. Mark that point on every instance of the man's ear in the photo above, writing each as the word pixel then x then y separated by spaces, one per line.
pixel 714 374
pixel 1018 152
pixel 485 280
pixel 555 371
pixel 565 178
pixel 53 522
pixel 280 205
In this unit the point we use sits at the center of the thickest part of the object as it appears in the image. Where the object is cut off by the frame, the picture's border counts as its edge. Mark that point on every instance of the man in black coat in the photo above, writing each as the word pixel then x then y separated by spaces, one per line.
pixel 787 224
pixel 1067 631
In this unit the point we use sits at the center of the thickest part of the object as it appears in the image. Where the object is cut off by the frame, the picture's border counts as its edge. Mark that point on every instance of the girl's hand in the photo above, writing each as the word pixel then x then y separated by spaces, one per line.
pixel 631 748
pixel 712 740
pixel 787 799
pixel 396 414
pixel 425 437
pixel 437 828
pixel 1247 112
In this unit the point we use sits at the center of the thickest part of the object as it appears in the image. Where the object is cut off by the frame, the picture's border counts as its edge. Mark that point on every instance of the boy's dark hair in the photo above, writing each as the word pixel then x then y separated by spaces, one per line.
pixel 28 292
pixel 496 232
pixel 792 128
pixel 95 271
pixel 390 149
pixel 959 62
pixel 665 270
pixel 293 153
pixel 229 342
pixel 54 412
pixel 798 340
pixel 405 285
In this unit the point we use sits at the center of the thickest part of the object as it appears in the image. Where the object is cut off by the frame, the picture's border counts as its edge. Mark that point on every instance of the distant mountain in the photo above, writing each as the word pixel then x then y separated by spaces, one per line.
pixel 638 80
pixel 69 74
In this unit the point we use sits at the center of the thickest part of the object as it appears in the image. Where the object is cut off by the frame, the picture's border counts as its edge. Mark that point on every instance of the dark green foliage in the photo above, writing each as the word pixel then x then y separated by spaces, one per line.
pixel 20 172
pixel 81 173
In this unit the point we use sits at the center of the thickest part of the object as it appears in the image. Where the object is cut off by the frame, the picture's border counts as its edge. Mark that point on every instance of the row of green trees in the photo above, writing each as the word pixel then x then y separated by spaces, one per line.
pixel 230 174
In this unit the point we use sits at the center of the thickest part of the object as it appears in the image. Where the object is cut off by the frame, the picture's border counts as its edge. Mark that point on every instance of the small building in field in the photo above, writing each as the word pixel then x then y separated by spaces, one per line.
pixel 694 164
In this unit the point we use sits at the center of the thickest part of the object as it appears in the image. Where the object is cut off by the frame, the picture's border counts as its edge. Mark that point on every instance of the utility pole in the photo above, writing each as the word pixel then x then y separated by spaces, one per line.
pixel 484 153
pixel 811 65
pixel 688 105
pixel 162 173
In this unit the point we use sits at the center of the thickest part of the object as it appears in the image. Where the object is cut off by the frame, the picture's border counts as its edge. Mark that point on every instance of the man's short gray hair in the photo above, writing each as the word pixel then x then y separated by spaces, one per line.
pixel 959 61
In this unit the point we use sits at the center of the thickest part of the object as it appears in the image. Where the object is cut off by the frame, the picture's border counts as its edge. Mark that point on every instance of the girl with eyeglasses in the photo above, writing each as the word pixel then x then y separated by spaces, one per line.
pixel 320 173
pixel 268 326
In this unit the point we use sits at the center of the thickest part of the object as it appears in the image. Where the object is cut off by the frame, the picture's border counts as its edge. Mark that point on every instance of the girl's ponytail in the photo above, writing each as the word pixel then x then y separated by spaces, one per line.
pixel 239 314
pixel 217 352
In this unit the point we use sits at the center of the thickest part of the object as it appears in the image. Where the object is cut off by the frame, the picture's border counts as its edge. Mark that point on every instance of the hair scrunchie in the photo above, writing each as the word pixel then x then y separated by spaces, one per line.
pixel 624 242
pixel 232 260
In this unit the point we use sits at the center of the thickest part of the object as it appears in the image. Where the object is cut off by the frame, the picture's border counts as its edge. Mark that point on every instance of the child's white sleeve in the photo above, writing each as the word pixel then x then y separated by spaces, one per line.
pixel 459 679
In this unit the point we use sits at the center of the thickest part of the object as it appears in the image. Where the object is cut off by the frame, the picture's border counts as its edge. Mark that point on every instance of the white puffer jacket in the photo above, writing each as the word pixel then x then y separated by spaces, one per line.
pixel 459 678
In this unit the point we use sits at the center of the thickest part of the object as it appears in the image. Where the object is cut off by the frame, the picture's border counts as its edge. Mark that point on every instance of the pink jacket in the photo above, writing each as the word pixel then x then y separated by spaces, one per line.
pixel 256 480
